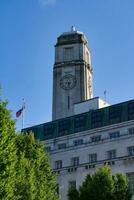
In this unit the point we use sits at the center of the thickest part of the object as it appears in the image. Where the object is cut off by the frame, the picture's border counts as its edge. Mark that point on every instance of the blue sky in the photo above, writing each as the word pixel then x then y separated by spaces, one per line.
pixel 28 32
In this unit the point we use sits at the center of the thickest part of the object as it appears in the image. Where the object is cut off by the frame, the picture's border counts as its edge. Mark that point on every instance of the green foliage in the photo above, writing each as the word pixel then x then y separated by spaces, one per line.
pixel 25 172
pixel 103 185
pixel 73 194
pixel 99 186
pixel 7 153
pixel 35 177
pixel 121 187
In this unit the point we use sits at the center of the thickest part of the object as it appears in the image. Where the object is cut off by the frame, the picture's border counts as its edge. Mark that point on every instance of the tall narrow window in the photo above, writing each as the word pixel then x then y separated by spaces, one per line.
pixel 131 131
pixel 58 164
pixel 111 154
pixel 68 54
pixel 131 151
pixel 75 161
pixel 92 157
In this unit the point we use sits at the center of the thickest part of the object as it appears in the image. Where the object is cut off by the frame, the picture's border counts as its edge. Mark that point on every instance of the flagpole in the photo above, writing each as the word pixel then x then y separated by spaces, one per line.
pixel 105 95
pixel 22 119
pixel 23 108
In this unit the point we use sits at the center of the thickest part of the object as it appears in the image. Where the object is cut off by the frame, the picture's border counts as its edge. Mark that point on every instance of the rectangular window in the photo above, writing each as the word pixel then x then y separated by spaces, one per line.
pixel 63 127
pixel 68 53
pixel 78 142
pixel 131 131
pixel 62 146
pixel 131 182
pixel 131 110
pixel 114 135
pixel 48 131
pixel 80 123
pixel 72 184
pixel 58 164
pixel 131 151
pixel 111 154
pixel 115 114
pixel 96 119
pixel 48 148
pixel 92 157
pixel 96 138
pixel 75 161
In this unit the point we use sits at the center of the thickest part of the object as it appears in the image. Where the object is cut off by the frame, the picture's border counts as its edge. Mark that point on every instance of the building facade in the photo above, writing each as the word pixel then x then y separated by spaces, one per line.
pixel 86 133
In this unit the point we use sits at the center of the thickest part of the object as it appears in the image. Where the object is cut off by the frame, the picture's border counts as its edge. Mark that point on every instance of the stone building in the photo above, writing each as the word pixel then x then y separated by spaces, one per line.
pixel 85 133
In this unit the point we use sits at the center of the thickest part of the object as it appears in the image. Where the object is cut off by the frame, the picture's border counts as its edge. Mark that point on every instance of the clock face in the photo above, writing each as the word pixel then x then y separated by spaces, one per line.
pixel 68 82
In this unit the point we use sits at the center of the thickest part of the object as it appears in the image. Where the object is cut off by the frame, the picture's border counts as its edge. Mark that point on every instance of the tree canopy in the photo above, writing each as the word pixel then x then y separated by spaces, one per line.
pixel 7 153
pixel 102 185
pixel 25 172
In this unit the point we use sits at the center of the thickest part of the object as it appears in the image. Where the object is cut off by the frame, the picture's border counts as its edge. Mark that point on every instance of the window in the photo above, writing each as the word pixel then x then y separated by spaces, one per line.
pixel 115 114
pixel 131 131
pixel 111 154
pixel 96 119
pixel 48 131
pixel 75 161
pixel 131 110
pixel 72 184
pixel 114 135
pixel 48 148
pixel 63 127
pixel 78 142
pixel 58 164
pixel 92 157
pixel 68 53
pixel 131 151
pixel 96 138
pixel 80 123
pixel 131 182
pixel 62 146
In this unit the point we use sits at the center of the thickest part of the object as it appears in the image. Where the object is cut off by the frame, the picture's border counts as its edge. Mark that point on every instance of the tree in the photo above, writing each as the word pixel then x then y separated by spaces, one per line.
pixel 73 194
pixel 121 190
pixel 103 185
pixel 35 177
pixel 7 153
pixel 25 172
pixel 99 186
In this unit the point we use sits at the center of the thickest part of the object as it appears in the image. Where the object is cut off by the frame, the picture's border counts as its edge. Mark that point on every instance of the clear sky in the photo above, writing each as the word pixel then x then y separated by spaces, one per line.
pixel 28 32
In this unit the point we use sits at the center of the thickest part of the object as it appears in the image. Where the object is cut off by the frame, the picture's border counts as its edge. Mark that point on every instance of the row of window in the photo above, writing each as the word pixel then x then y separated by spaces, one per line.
pixel 90 120
pixel 97 138
pixel 93 157
pixel 97 118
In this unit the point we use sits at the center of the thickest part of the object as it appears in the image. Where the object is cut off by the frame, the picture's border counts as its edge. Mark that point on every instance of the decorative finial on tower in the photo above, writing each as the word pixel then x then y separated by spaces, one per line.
pixel 73 28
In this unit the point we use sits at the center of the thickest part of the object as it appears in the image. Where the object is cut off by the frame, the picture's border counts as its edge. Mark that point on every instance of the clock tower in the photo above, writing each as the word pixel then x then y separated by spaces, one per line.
pixel 72 73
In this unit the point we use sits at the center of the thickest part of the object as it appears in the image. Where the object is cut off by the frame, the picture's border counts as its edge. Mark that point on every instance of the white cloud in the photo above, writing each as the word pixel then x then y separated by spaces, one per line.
pixel 47 2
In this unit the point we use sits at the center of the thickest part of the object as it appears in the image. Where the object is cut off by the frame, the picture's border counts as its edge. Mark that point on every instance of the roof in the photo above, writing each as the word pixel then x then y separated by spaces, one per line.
pixel 71 37
pixel 86 121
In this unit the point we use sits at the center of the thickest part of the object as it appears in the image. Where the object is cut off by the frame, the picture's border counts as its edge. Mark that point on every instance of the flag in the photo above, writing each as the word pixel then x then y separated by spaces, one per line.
pixel 19 112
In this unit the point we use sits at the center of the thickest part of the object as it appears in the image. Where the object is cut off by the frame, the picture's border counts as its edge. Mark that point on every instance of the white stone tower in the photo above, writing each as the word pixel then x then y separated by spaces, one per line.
pixel 72 73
